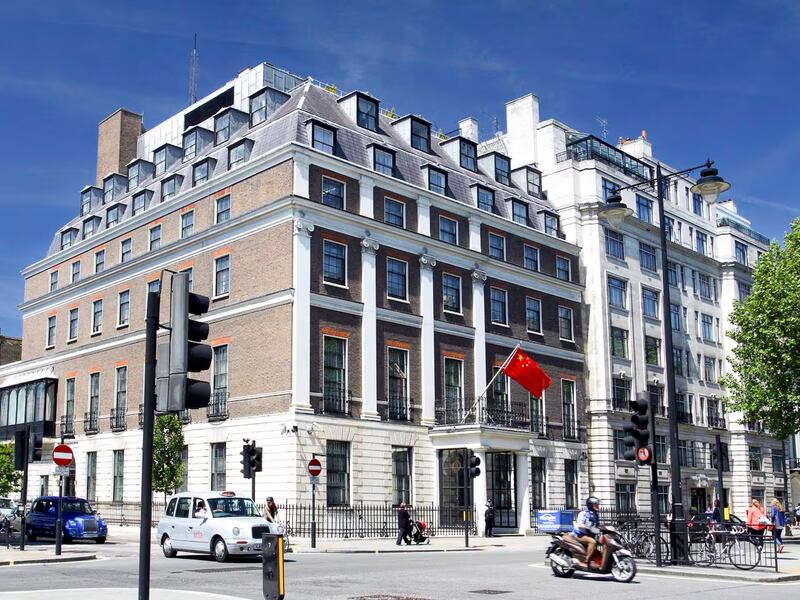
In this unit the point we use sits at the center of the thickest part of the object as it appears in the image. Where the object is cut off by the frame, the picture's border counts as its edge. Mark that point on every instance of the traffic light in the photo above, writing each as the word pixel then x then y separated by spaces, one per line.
pixel 474 465
pixel 249 453
pixel 35 448
pixel 638 433
pixel 256 465
pixel 186 353
pixel 20 450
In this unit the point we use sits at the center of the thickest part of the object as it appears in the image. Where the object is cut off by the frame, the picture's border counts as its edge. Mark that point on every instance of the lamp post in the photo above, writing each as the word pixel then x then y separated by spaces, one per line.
pixel 709 186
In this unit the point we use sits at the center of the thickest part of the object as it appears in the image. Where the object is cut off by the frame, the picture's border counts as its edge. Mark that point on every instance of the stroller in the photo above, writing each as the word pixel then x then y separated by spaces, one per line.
pixel 419 533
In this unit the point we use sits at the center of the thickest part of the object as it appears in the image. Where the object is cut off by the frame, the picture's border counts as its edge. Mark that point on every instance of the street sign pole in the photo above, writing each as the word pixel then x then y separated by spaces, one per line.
pixel 146 516
pixel 60 518
pixel 656 508
pixel 314 469
pixel 24 493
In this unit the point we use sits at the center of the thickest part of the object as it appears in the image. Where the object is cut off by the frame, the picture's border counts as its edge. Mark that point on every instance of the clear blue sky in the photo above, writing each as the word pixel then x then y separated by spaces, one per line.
pixel 705 79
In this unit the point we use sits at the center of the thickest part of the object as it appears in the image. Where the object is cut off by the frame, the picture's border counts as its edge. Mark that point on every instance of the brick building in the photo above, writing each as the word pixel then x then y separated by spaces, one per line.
pixel 368 275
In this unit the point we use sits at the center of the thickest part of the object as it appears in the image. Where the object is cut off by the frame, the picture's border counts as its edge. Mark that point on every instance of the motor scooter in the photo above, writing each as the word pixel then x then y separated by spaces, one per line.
pixel 618 561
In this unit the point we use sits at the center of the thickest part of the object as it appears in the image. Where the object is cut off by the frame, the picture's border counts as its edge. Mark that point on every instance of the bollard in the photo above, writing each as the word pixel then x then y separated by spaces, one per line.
pixel 272 566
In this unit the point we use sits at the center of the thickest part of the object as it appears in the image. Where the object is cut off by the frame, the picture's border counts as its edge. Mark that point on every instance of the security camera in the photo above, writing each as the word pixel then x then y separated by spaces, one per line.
pixel 313 428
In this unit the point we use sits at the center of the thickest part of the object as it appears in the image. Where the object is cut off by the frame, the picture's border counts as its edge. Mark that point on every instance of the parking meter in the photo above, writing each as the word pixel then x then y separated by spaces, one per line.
pixel 272 566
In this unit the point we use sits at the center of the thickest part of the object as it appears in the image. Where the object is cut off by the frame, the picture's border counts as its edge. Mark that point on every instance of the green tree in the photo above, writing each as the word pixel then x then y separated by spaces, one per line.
pixel 765 380
pixel 168 468
pixel 9 478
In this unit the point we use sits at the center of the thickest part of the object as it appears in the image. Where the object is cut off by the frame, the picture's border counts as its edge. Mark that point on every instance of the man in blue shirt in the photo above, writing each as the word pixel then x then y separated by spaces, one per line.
pixel 587 526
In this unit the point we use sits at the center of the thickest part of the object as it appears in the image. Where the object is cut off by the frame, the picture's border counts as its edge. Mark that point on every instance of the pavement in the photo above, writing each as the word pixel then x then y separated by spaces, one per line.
pixel 117 593
pixel 40 553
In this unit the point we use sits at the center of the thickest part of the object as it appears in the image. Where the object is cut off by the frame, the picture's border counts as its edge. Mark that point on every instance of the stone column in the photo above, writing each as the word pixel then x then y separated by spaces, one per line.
pixel 474 233
pixel 423 215
pixel 367 196
pixel 300 175
pixel 301 315
pixel 369 333
pixel 479 323
pixel 522 485
pixel 428 353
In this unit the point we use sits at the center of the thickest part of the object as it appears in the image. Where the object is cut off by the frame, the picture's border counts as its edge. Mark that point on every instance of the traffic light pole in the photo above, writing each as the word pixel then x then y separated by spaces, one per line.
pixel 60 517
pixel 467 496
pixel 151 331
pixel 24 493
pixel 654 503
pixel 720 488
pixel 253 478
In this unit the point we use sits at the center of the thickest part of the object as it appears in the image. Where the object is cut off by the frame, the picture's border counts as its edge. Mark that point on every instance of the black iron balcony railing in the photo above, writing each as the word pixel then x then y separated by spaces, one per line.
pixel 336 400
pixel 501 416
pixel 141 416
pixel 118 420
pixel 218 406
pixel 685 417
pixel 570 431
pixel 539 424
pixel 68 426
pixel 399 407
pixel 185 416
pixel 582 147
pixel 455 415
pixel 90 424
pixel 745 230
pixel 716 422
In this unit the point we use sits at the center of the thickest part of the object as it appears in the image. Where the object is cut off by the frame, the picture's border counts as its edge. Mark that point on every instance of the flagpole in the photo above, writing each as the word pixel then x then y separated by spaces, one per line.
pixel 491 381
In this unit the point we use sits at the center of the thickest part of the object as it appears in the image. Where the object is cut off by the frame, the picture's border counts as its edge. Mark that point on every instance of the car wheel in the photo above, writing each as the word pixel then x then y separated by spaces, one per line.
pixel 100 540
pixel 30 535
pixel 166 547
pixel 219 550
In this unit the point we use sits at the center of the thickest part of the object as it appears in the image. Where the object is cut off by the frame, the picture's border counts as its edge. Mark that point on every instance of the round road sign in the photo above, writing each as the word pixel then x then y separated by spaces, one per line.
pixel 643 454
pixel 62 455
pixel 314 467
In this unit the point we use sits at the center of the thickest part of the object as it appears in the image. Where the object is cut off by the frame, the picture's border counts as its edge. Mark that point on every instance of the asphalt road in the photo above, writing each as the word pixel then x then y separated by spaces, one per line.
pixel 509 574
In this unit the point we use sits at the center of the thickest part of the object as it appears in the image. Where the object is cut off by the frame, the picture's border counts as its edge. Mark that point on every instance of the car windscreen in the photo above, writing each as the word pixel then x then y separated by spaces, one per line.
pixel 232 507
pixel 80 507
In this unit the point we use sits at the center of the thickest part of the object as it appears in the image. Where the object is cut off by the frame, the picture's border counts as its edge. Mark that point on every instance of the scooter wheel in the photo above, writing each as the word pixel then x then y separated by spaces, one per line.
pixel 623 569
pixel 559 570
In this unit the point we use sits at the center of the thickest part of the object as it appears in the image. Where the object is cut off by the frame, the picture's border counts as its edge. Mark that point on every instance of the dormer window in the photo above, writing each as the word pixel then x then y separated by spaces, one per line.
pixel 160 160
pixel 420 136
pixel 139 203
pixel 113 214
pixel 236 155
pixel 222 128
pixel 133 176
pixel 190 145
pixel 534 183
pixel 68 238
pixel 86 202
pixel 323 138
pixel 519 212
pixel 384 161
pixel 485 199
pixel 258 108
pixel 551 224
pixel 88 227
pixel 200 173
pixel 437 181
pixel 108 190
pixel 502 169
pixel 367 113
pixel 468 153
pixel 168 188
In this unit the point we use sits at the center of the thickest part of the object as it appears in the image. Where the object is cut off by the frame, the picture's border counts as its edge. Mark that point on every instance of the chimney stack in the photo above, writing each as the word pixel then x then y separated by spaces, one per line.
pixel 468 128
pixel 522 117
pixel 117 135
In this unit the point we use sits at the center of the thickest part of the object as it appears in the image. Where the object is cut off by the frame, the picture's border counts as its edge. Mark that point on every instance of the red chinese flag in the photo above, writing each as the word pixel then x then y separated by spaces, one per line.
pixel 526 372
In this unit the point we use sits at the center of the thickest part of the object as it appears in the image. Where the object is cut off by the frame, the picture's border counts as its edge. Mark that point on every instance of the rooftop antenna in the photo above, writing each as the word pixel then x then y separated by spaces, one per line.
pixel 604 124
pixel 193 68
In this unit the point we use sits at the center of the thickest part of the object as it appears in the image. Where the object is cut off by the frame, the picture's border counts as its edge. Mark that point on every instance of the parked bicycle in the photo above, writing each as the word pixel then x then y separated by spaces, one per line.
pixel 733 545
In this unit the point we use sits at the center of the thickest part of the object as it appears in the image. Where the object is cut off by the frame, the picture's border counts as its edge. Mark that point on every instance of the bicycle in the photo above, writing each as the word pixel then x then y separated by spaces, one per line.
pixel 735 546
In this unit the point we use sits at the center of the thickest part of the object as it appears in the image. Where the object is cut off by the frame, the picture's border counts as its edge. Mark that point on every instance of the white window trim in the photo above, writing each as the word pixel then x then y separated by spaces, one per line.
pixel 215 295
pixel 540 332
pixel 460 312
pixel 346 360
pixel 571 324
pixel 393 298
pixel 538 258
pixel 116 387
pixel 322 193
pixel 212 369
pixel 120 325
pixel 150 237
pixel 569 266
pixel 505 293
pixel 385 198
pixel 99 330
pixel 346 274
pixel 47 344
pixel 332 130
pixel 575 406
pixel 489 245
pixel 72 275
pixel 122 251
pixel 216 208
pixel 96 254
pixel 180 225
pixel 460 362
pixel 454 222
pixel 407 372
pixel 69 324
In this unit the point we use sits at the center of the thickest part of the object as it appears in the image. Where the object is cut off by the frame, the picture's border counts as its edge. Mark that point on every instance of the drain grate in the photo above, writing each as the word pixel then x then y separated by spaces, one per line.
pixel 223 570
pixel 490 592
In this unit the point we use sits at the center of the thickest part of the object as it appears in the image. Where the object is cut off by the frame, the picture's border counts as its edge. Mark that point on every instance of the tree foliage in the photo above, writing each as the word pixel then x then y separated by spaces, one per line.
pixel 765 380
pixel 168 468
pixel 9 478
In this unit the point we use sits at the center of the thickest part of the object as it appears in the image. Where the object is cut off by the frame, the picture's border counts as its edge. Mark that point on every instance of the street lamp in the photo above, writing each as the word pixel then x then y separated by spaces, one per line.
pixel 709 186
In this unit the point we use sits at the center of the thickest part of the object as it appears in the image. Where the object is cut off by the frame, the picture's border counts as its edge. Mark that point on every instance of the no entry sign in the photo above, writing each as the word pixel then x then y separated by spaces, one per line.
pixel 314 467
pixel 62 455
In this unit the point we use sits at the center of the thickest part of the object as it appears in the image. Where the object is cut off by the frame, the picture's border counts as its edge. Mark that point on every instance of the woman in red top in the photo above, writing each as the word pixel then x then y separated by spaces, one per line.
pixel 757 520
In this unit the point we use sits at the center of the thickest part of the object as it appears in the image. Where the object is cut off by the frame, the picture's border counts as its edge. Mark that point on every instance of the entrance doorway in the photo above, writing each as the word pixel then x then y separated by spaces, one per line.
pixel 500 488
pixel 699 501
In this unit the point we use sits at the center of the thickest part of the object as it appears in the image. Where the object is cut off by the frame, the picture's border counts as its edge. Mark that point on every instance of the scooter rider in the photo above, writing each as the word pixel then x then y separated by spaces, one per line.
pixel 587 526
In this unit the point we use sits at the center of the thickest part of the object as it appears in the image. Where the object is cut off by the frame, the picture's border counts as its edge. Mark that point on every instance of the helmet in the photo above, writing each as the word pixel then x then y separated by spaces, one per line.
pixel 593 503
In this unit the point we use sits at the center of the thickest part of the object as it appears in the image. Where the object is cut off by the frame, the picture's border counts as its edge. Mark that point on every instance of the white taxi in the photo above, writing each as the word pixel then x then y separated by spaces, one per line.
pixel 222 524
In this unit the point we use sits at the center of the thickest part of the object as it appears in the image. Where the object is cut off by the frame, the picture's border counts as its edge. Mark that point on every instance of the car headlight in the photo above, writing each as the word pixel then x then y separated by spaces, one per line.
pixel 236 531
pixel 72 524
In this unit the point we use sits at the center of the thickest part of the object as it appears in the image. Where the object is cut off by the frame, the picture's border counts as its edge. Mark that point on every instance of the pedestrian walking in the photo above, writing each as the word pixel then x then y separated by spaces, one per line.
pixel 403 525
pixel 757 521
pixel 778 518
pixel 488 518
pixel 716 513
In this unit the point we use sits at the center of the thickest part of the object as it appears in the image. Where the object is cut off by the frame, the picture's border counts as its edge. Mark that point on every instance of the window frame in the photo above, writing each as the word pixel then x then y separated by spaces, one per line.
pixel 615 247
pixel 204 164
pixel 51 332
pixel 387 201
pixel 647 250
pixel 502 175
pixel 154 238
pixel 571 337
pixel 127 304
pixel 73 325
pixel 97 317
pixel 321 144
pixel 187 136
pixel 380 166
pixel 344 282
pixel 217 211
pixel 171 182
pixel 459 310
pixel 217 294
pixel 492 300
pixel 236 148
pixel 644 209
pixel 529 300
pixel 100 261
pixel 536 190
pixel 454 240
pixel 189 214
pixel 650 303
pixel 517 204
pixel 324 194
pixel 492 249
pixel 618 342
pixel 417 136
pixel 160 161
pixel 471 156
pixel 535 257
pixel 436 189
pixel 222 134
pixel 611 280
pixel 346 475
pixel 389 295
pixel 482 205
pixel 365 118
pixel 549 221
pixel 122 251
pixel 135 210
pixel 560 260
pixel 648 348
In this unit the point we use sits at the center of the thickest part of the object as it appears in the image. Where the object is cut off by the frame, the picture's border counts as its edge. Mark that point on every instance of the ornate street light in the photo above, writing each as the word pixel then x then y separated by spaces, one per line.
pixel 710 185
pixel 614 210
